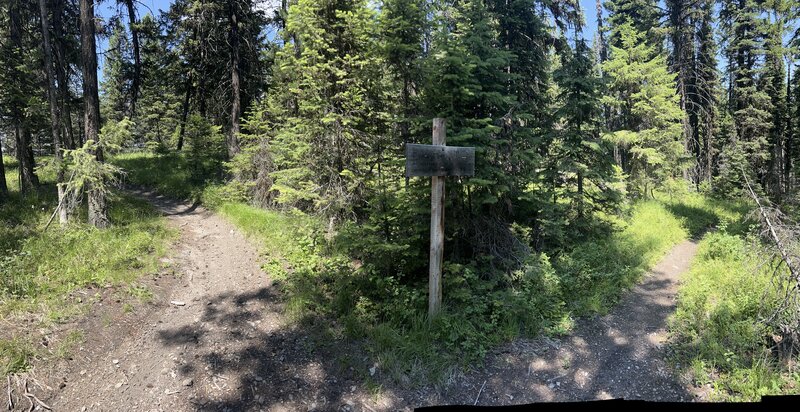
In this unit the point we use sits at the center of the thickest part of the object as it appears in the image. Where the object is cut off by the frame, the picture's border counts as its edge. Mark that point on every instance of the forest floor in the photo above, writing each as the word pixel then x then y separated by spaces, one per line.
pixel 215 338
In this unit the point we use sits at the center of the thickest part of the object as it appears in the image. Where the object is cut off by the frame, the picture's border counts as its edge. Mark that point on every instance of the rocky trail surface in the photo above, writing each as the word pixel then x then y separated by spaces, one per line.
pixel 216 339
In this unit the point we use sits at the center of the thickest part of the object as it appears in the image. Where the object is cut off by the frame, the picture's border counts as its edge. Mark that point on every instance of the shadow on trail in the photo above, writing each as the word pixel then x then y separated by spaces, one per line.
pixel 697 220
pixel 241 362
pixel 619 355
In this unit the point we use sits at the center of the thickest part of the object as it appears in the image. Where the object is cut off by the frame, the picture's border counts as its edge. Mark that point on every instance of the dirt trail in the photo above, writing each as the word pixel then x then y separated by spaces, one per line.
pixel 619 355
pixel 225 346
pixel 217 340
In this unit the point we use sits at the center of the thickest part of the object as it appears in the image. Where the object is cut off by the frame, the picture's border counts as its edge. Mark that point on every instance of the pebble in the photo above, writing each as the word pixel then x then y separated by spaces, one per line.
pixel 188 382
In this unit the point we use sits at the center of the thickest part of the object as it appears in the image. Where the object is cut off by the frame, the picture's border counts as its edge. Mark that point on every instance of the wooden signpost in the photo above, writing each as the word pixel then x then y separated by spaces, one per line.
pixel 438 161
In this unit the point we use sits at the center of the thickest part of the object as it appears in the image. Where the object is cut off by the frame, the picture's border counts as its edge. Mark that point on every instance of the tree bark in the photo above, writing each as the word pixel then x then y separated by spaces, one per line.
pixel 137 61
pixel 62 78
pixel 55 121
pixel 236 100
pixel 187 98
pixel 98 204
pixel 3 184
pixel 27 176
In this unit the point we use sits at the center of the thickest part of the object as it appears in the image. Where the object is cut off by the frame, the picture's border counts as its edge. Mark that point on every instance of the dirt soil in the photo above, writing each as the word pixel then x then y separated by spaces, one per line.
pixel 216 339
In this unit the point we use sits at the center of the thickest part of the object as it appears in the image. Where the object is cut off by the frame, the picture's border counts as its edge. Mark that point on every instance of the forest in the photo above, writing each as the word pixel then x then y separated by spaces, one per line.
pixel 606 133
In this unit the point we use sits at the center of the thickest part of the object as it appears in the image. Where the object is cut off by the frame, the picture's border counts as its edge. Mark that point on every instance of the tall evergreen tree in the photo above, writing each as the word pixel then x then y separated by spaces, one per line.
pixel 646 106
pixel 324 105
pixel 580 154
pixel 116 85
pixel 750 106
pixel 643 15
pixel 19 93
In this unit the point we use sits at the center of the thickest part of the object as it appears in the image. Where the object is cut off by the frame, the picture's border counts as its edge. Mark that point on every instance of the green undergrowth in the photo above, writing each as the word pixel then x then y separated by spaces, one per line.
pixel 718 339
pixel 39 270
pixel 168 174
pixel 543 296
pixel 324 285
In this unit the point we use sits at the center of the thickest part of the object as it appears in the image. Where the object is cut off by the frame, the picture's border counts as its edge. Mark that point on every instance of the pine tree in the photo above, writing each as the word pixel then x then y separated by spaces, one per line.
pixel 580 153
pixel 20 97
pixel 116 85
pixel 643 15
pixel 647 112
pixel 750 107
pixel 706 89
pixel 157 119
pixel 324 107
pixel 98 201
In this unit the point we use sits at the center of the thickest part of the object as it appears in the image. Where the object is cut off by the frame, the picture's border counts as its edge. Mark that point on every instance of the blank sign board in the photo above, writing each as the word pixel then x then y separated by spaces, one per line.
pixel 436 160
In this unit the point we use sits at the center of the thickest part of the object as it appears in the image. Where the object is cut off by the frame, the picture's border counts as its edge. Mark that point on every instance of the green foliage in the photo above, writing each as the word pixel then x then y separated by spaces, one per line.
pixel 15 356
pixel 86 172
pixel 716 328
pixel 47 266
pixel 206 149
pixel 168 174
pixel 117 134
pixel 596 273
pixel 642 91
pixel 116 85
pixel 372 298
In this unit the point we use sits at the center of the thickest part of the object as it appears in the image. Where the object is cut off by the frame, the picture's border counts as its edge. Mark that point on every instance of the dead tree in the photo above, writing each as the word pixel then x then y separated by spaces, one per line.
pixel 783 315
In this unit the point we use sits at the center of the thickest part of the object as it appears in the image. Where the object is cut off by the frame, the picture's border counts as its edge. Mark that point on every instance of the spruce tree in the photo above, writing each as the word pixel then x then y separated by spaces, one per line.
pixel 324 106
pixel 116 85
pixel 648 118
pixel 580 154
pixel 750 106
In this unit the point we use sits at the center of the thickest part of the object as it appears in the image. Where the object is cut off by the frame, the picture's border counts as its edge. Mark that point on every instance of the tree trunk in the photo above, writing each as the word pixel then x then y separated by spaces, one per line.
pixel 62 66
pixel 55 122
pixel 187 98
pixel 27 176
pixel 98 204
pixel 236 101
pixel 3 185
pixel 137 61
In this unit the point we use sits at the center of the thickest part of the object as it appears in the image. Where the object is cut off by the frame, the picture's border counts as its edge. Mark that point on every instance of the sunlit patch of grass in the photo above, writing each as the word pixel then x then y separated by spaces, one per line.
pixel 716 330
pixel 15 356
pixel 168 174
pixel 596 273
pixel 40 268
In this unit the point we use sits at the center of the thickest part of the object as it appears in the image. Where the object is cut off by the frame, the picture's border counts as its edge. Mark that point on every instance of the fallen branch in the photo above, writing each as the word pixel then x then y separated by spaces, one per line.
pixel 60 204
pixel 10 398
pixel 479 394
pixel 31 397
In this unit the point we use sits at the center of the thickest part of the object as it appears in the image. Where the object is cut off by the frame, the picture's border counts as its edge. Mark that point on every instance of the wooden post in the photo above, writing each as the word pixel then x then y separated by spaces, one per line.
pixel 437 229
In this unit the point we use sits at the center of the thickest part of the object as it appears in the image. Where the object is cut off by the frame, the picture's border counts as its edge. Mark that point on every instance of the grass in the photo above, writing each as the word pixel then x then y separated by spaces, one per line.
pixel 477 314
pixel 40 270
pixel 597 272
pixel 15 356
pixel 718 338
pixel 170 175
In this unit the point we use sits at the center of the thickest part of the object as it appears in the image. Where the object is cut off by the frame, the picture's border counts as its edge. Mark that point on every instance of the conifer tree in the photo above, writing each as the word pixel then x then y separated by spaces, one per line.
pixel 116 85
pixel 646 109
pixel 580 153
pixel 750 107
pixel 324 105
